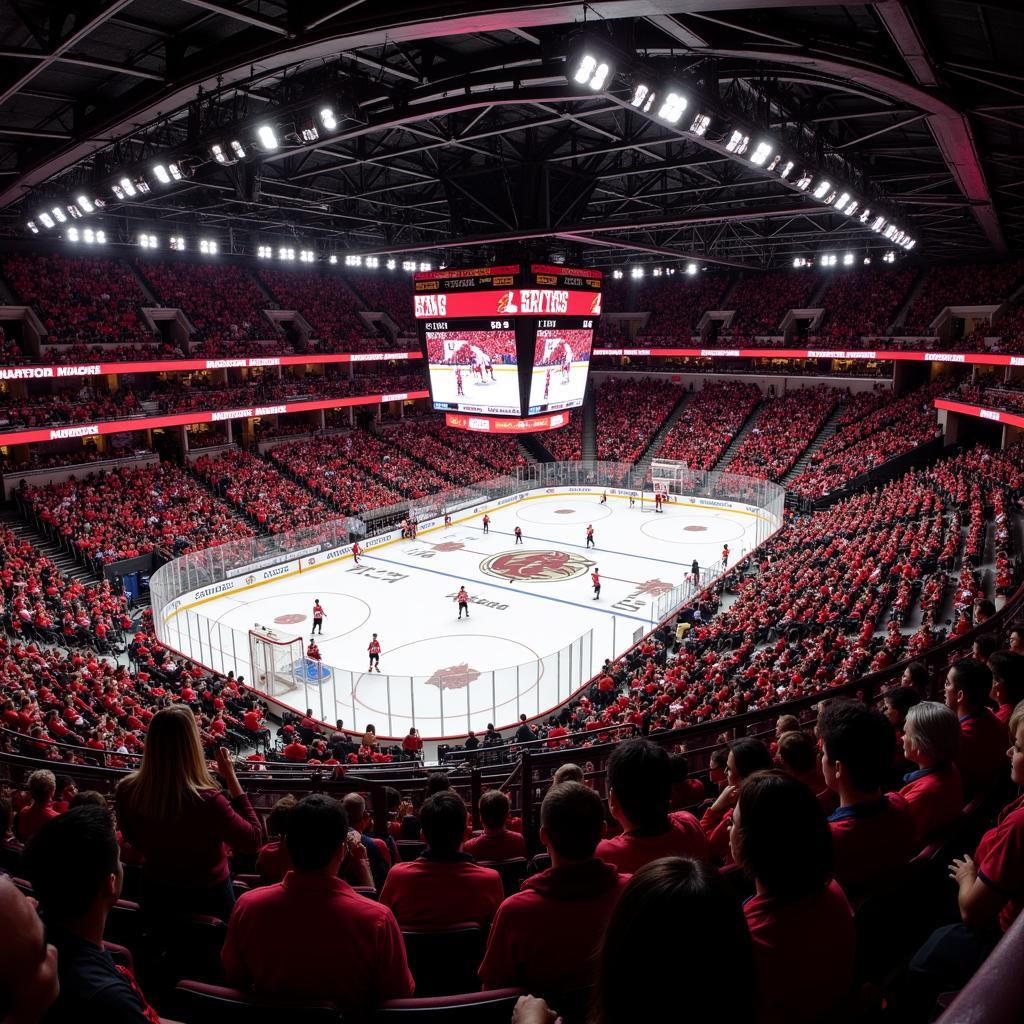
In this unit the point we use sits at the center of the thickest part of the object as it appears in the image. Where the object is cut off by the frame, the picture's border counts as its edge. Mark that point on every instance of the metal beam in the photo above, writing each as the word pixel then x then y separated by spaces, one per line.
pixel 237 14
pixel 63 47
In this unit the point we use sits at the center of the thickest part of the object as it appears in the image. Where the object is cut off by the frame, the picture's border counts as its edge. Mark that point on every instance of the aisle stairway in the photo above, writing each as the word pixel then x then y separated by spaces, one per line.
pixel 912 292
pixel 650 453
pixel 741 436
pixel 822 436
pixel 589 412
pixel 65 562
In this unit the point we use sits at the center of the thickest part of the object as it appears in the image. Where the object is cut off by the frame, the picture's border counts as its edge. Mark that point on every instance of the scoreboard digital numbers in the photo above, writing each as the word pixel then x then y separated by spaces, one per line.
pixel 509 340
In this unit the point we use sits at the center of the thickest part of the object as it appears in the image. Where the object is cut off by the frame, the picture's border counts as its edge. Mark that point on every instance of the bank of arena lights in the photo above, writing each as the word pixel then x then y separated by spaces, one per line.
pixel 692 268
pixel 357 261
pixel 307 256
pixel 391 264
pixel 148 241
pixel 86 235
pixel 286 253
pixel 592 71
pixel 264 252
pixel 373 262
pixel 208 246
pixel 178 244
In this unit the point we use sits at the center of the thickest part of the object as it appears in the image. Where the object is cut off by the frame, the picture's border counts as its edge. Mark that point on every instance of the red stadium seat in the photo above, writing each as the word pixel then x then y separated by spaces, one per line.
pixel 493 1007
pixel 201 1003
pixel 512 872
pixel 446 960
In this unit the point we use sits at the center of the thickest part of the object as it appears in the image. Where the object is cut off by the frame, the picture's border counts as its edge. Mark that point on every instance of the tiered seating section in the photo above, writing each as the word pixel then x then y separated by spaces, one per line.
pixel 461 456
pixel 675 302
pixel 762 300
pixel 972 284
pixel 630 413
pixel 129 512
pixel 711 420
pixel 862 302
pixel 892 428
pixel 783 431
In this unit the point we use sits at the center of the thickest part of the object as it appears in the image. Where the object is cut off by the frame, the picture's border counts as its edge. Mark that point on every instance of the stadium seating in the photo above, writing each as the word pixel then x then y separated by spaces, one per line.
pixel 710 421
pixel 630 413
pixel 762 300
pixel 862 302
pixel 963 285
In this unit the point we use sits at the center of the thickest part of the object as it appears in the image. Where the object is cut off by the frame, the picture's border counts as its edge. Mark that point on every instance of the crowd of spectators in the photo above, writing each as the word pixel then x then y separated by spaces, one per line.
pixel 629 414
pixel 222 301
pixel 893 428
pixel 709 423
pixel 461 456
pixel 960 285
pixel 566 443
pixel 762 300
pixel 675 302
pixel 784 429
pixel 862 302
pixel 81 300
pixel 323 299
pixel 72 403
pixel 132 511
pixel 274 502
pixel 387 295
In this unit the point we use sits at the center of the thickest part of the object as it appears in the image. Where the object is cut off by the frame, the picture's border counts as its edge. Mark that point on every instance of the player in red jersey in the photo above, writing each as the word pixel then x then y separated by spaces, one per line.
pixel 566 367
pixel 487 523
pixel 590 536
pixel 463 598
pixel 519 535
pixel 490 369
pixel 657 501
pixel 312 651
pixel 458 383
pixel 356 552
pixel 725 556
pixel 595 580
pixel 447 519
pixel 318 618
pixel 374 652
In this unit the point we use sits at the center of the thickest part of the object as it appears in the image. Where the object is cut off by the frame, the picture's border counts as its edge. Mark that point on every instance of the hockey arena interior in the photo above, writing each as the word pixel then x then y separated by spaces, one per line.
pixel 511 512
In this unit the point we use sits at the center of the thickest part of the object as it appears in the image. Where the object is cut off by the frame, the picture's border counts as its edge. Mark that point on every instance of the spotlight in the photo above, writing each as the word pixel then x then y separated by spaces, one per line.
pixel 828 259
pixel 101 237
pixel 636 272
pixel 409 265
pixel 46 220
pixel 327 119
pixel 308 132
pixel 738 143
pixel 592 71
pixel 59 215
pixel 332 259
pixel 118 191
pixel 127 187
pixel 238 149
pixel 867 260
pixel 76 213
pixel 851 208
pixel 700 124
pixel 148 241
pixel 889 257
pixel 32 227
pixel 89 235
pixel 264 252
pixel 285 253
pixel 355 261
pixel 848 259
pixel 910 243
pixel 72 235
pixel 178 243
pixel 692 268
pixel 267 137
pixel 804 181
pixel 877 224
pixel 426 266
pixel 842 201
pixel 786 170
pixel 373 262
pixel 391 264
pixel 141 185
pixel 218 153
pixel 178 171
pixel 84 202
pixel 643 98
pixel 673 107
pixel 799 261
pixel 306 255
pixel 208 246
pixel 865 214
pixel 821 188
pixel 617 274
pixel 161 174
pixel 656 272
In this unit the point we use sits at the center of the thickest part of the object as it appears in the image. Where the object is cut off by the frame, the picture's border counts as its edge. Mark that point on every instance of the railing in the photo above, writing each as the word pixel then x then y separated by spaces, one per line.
pixel 180 588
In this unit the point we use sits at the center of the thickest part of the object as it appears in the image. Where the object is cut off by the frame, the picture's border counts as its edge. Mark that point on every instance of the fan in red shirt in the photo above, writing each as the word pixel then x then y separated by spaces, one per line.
pixel 639 793
pixel 443 886
pixel 349 949
pixel 545 938
pixel 933 791
pixel 1007 670
pixel 496 842
pixel 41 787
pixel 983 736
pixel 273 861
pixel 800 921
pixel 746 756
pixel 872 832
pixel 990 894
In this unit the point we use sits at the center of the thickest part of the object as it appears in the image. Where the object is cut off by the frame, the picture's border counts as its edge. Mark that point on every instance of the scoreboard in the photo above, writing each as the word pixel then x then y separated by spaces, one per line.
pixel 510 340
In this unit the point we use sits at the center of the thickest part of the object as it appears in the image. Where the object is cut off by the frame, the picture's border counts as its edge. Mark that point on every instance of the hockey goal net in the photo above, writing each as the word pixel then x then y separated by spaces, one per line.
pixel 277 660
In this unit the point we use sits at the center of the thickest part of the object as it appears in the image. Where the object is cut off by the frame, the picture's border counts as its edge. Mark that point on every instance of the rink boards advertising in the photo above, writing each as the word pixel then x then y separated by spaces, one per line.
pixel 507 341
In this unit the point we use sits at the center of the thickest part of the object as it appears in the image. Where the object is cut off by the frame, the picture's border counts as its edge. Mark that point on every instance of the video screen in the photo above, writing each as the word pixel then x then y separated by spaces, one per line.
pixel 561 361
pixel 474 371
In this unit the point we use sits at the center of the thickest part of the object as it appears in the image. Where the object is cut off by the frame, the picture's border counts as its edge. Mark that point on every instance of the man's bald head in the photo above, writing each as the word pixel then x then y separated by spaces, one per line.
pixel 28 966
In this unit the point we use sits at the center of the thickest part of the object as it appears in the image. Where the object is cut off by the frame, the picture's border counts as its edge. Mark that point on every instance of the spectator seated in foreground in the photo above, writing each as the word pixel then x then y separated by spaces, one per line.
pixel 639 794
pixel 28 963
pixel 496 842
pixel 983 736
pixel 872 832
pixel 443 886
pixel 42 784
pixel 74 865
pixel 933 791
pixel 346 948
pixel 545 937
pixel 800 922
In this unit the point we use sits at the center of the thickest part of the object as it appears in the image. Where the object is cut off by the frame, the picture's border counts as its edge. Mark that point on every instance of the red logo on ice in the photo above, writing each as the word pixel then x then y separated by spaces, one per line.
pixel 539 566
pixel 454 677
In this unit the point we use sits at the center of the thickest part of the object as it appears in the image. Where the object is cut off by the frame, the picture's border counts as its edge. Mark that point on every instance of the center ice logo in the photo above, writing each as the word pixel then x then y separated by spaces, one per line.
pixel 539 566
pixel 454 677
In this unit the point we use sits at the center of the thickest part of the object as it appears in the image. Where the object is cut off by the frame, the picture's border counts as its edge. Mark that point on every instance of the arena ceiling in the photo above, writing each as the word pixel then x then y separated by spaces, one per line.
pixel 462 135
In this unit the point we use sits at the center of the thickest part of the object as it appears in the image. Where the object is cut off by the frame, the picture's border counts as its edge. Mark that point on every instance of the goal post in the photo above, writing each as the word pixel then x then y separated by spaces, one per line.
pixel 277 660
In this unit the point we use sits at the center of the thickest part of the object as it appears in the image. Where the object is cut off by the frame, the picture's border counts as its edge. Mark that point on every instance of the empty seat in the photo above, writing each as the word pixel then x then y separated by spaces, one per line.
pixel 512 872
pixel 445 961
pixel 200 1003
pixel 410 849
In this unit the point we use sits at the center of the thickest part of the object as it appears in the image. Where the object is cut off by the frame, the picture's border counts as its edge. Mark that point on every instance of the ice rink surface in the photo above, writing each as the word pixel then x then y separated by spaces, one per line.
pixel 529 602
